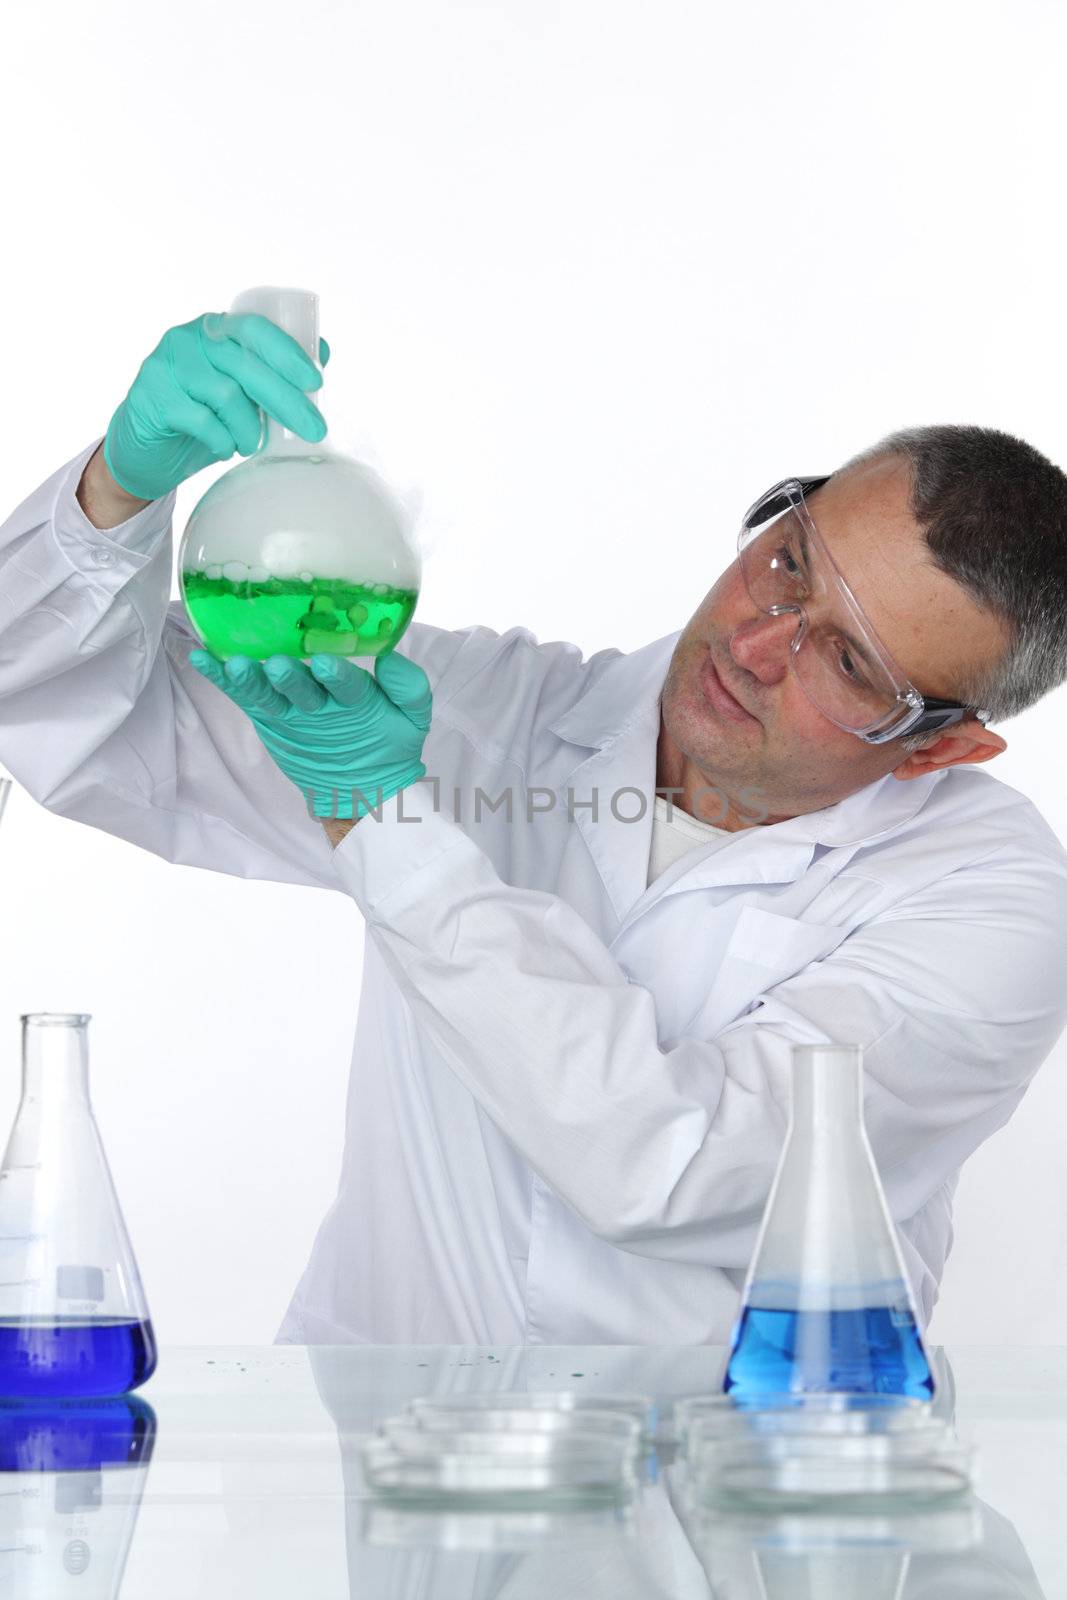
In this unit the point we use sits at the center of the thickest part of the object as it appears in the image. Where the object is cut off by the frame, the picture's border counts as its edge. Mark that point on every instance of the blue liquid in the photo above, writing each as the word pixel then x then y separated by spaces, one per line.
pixel 871 1351
pixel 75 1435
pixel 70 1357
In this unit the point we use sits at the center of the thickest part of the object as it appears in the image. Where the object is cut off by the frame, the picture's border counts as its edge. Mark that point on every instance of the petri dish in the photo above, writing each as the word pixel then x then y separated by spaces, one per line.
pixel 598 1471
pixel 769 1468
pixel 500 1444
pixel 641 1406
pixel 528 1419
pixel 835 1414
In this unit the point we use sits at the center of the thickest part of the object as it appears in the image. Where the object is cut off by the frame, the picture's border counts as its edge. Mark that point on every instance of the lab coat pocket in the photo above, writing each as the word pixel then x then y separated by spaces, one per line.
pixel 764 949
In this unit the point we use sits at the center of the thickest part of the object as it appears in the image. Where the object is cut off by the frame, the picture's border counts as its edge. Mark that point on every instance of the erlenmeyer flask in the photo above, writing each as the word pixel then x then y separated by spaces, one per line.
pixel 73 1317
pixel 827 1307
pixel 298 550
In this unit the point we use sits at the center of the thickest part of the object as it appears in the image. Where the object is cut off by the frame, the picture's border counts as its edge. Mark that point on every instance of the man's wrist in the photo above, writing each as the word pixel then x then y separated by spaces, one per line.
pixel 337 828
pixel 105 502
pixel 364 800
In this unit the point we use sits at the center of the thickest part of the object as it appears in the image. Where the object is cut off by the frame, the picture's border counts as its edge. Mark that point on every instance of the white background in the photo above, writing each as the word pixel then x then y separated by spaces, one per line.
pixel 594 275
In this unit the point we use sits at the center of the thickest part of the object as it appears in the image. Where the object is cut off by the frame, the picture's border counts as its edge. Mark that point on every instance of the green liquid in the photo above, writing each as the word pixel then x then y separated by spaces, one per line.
pixel 288 617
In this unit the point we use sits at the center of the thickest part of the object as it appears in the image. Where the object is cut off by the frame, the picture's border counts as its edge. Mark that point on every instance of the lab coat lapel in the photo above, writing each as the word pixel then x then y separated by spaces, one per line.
pixel 619 718
pixel 612 793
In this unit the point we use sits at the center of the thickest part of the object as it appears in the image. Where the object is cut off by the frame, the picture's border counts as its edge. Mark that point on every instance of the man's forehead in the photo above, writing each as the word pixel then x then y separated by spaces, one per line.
pixel 871 500
pixel 924 618
pixel 865 520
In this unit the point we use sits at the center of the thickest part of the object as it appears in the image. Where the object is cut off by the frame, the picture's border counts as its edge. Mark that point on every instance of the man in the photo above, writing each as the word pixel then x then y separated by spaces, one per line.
pixel 571 1070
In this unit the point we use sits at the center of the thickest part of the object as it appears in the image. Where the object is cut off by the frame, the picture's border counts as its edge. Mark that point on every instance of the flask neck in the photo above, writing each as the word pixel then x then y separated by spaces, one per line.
pixel 827 1089
pixel 296 312
pixel 280 440
pixel 55 1057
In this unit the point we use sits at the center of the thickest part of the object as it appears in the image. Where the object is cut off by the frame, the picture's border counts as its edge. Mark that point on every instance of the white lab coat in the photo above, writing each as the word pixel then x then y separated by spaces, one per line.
pixel 568 1092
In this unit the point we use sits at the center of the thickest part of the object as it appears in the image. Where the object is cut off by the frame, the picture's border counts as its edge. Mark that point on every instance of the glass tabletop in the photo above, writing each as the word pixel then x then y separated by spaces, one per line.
pixel 238 1472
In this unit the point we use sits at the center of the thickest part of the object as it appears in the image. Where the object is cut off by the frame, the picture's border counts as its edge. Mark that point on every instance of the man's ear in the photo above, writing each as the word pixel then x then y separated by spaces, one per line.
pixel 967 741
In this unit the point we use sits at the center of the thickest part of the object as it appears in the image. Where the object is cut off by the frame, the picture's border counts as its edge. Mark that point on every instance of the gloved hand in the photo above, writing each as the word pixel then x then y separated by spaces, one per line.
pixel 194 399
pixel 333 728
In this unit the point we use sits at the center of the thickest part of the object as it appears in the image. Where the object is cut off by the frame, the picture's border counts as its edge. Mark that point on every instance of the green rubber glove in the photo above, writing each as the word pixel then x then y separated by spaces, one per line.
pixel 333 728
pixel 194 400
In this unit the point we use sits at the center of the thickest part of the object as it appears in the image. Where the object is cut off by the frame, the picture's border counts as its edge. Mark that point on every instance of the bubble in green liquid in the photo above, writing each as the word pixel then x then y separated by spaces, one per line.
pixel 294 617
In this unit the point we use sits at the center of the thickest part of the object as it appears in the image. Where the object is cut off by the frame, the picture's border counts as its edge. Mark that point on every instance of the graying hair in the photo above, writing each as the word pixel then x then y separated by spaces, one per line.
pixel 993 511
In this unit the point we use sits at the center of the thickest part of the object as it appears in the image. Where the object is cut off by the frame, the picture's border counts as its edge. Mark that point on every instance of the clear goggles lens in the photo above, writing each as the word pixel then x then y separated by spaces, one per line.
pixel 839 663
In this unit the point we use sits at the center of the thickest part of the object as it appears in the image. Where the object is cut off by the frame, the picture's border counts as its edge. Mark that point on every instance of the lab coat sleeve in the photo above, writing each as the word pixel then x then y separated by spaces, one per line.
pixel 668 1148
pixel 103 720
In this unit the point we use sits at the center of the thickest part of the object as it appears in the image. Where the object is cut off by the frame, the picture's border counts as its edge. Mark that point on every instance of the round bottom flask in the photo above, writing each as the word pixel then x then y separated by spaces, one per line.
pixel 298 550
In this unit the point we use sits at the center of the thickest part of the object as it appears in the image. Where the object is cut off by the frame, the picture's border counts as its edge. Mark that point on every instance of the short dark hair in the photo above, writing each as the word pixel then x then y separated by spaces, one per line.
pixel 993 511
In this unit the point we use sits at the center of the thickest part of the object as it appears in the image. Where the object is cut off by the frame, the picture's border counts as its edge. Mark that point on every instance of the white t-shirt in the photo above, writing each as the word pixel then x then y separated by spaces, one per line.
pixel 677 837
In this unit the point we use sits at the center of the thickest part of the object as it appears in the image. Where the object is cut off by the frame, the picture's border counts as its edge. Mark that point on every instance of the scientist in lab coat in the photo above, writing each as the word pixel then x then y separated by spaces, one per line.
pixel 570 1076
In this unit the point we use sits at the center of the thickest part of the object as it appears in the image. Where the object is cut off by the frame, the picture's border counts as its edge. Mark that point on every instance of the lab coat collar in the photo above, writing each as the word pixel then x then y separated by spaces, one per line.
pixel 617 717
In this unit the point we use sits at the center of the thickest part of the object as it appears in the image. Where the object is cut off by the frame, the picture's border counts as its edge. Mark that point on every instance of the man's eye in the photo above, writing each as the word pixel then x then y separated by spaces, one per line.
pixel 849 667
pixel 784 554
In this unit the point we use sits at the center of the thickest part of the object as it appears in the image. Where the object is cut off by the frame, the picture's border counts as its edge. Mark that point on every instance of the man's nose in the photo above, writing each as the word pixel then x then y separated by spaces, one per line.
pixel 761 645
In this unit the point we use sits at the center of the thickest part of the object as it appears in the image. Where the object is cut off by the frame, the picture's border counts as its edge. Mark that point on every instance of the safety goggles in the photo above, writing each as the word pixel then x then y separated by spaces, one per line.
pixel 840 662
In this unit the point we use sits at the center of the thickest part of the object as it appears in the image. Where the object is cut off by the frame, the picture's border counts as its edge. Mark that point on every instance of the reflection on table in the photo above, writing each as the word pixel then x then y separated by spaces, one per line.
pixel 250 1483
